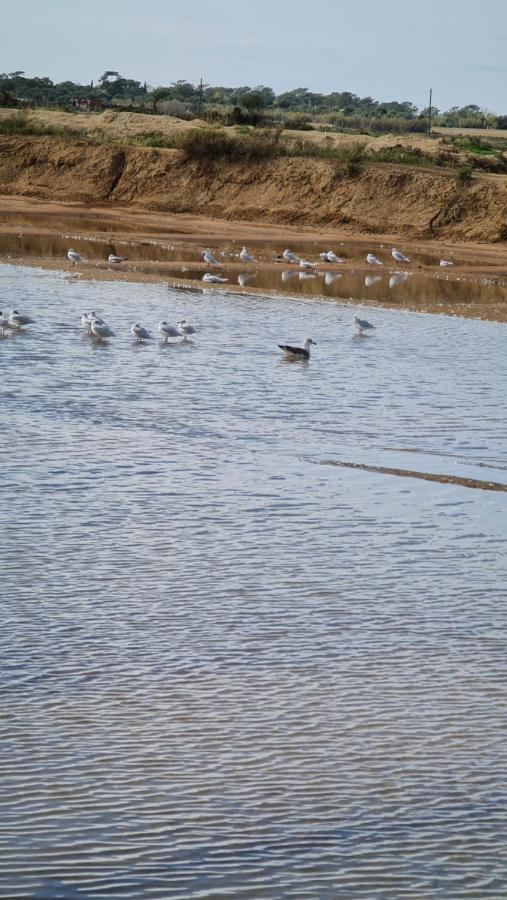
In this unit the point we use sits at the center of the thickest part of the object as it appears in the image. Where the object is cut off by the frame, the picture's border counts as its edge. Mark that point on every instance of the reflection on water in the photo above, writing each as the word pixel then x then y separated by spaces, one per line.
pixel 228 671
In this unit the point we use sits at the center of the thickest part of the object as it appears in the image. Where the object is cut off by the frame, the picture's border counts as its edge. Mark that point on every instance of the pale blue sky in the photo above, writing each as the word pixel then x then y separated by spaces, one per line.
pixel 388 49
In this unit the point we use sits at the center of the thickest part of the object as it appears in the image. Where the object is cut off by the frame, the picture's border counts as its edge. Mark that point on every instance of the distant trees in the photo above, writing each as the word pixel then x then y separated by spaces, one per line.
pixel 258 105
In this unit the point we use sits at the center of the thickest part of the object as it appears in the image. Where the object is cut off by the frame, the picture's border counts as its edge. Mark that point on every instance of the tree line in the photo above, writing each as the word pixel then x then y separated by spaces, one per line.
pixel 240 105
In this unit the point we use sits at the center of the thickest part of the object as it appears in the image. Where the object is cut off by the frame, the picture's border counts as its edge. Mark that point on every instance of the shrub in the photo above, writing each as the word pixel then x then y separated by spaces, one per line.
pixel 464 175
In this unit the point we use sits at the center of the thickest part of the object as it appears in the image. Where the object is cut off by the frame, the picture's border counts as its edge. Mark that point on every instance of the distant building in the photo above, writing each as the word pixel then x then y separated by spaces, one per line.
pixel 88 104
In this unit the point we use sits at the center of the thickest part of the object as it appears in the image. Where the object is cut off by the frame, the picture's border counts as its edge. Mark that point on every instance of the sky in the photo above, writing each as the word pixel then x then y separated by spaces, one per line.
pixel 386 49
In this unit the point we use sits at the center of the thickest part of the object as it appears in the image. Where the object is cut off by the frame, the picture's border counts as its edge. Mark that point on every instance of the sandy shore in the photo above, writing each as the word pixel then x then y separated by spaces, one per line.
pixel 475 263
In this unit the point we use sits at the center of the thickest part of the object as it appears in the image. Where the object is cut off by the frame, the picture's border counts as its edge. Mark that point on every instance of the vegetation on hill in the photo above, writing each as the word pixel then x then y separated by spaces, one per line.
pixel 257 106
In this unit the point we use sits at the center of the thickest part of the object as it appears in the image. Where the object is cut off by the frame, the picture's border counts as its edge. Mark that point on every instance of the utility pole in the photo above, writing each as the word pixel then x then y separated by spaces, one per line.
pixel 199 108
pixel 429 113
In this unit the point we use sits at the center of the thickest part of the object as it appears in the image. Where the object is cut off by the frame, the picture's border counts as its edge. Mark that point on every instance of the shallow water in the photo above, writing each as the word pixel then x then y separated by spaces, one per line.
pixel 228 671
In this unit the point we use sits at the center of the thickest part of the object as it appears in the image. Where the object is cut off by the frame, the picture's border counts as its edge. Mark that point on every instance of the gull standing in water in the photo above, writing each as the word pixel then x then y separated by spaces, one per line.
pixel 373 261
pixel 17 319
pixel 398 256
pixel 74 257
pixel 245 256
pixel 209 258
pixel 361 325
pixel 291 257
pixel 333 258
pixel 298 352
pixel 185 328
pixel 140 333
pixel 213 279
pixel 100 329
pixel 168 330
pixel 4 323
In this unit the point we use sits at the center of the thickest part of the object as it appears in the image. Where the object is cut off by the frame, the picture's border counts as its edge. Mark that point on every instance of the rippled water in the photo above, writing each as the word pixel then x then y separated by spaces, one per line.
pixel 228 671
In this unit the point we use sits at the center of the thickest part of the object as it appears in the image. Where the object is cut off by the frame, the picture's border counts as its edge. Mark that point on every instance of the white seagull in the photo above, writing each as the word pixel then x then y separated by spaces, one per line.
pixel 185 328
pixel 399 256
pixel 298 352
pixel 446 262
pixel 245 256
pixel 361 325
pixel 290 256
pixel 116 259
pixel 140 333
pixel 4 322
pixel 74 257
pixel 213 279
pixel 209 258
pixel 306 264
pixel 100 329
pixel 17 319
pixel 373 261
pixel 333 258
pixel 168 330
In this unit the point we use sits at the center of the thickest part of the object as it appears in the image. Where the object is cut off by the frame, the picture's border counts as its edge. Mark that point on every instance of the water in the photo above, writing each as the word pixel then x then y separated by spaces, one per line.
pixel 229 671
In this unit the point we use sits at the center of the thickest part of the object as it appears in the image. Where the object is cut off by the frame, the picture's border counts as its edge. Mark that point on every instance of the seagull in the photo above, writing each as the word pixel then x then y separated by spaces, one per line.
pixel 168 330
pixel 245 256
pixel 361 324
pixel 290 256
pixel 298 352
pixel 4 323
pixel 100 330
pixel 185 328
pixel 209 258
pixel 86 321
pixel 371 279
pixel 446 262
pixel 323 256
pixel 333 258
pixel 74 257
pixel 17 320
pixel 398 256
pixel 372 260
pixel 116 259
pixel 141 334
pixel 213 279
pixel 305 264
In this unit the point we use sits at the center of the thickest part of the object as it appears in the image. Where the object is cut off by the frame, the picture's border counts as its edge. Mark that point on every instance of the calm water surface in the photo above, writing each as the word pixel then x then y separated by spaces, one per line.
pixel 228 671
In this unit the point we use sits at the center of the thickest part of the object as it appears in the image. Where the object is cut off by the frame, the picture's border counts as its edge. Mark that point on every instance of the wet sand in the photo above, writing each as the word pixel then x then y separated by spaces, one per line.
pixel 121 224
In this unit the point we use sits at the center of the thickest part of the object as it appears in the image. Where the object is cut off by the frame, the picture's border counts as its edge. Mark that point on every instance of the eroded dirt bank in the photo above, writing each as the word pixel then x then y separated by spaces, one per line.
pixel 407 201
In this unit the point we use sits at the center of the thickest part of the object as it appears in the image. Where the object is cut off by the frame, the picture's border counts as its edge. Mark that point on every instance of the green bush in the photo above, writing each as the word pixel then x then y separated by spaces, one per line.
pixel 464 175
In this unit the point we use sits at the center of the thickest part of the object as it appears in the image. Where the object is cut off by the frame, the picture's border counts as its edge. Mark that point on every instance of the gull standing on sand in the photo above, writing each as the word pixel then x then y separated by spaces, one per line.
pixel 17 319
pixel 100 329
pixel 116 259
pixel 209 258
pixel 446 262
pixel 168 330
pixel 291 257
pixel 298 352
pixel 399 256
pixel 185 328
pixel 140 333
pixel 306 264
pixel 373 261
pixel 213 279
pixel 245 256
pixel 74 257
pixel 361 325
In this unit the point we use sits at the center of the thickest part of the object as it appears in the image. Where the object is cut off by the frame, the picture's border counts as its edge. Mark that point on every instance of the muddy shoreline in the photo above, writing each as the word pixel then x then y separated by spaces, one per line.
pixel 114 223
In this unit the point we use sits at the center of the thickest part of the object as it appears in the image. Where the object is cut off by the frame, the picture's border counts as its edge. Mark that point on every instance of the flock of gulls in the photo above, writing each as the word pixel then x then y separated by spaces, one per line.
pixel 96 327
